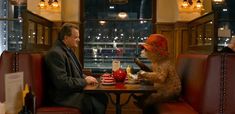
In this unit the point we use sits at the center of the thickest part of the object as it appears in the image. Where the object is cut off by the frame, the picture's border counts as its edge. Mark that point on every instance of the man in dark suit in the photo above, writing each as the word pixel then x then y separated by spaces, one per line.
pixel 65 79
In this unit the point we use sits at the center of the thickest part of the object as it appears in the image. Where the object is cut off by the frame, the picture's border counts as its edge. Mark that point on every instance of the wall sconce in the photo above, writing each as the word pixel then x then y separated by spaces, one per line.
pixel 53 3
pixel 189 3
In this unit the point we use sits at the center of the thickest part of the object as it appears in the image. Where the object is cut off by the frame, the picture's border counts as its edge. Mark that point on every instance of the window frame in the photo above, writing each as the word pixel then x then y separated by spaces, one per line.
pixel 82 31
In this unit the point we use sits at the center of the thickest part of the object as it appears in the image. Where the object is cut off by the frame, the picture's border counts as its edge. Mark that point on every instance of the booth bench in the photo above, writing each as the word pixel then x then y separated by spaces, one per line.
pixel 208 83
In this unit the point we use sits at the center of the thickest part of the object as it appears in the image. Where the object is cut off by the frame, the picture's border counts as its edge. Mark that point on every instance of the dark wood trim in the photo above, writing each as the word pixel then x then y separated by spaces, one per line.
pixel 154 15
pixel 29 16
pixel 201 20
pixel 81 25
pixel 216 18
pixel 195 24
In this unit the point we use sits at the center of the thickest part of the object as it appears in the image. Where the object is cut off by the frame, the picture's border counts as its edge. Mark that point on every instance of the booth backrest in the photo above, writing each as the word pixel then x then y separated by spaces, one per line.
pixel 7 65
pixel 32 66
pixel 212 96
pixel 208 82
pixel 228 93
pixel 192 68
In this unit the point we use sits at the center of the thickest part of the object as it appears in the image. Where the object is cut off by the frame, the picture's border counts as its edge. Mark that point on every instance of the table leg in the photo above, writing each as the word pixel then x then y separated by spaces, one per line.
pixel 118 105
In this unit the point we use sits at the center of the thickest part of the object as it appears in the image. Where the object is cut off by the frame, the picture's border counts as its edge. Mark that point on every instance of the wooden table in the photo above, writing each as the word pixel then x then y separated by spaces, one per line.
pixel 118 90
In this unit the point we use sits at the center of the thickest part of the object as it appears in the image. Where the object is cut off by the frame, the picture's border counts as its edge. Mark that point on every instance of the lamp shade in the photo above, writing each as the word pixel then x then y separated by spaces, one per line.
pixel 55 4
pixel 42 4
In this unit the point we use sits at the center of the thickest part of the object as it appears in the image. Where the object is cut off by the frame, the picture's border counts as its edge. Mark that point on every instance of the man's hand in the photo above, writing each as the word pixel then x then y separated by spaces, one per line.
pixel 91 80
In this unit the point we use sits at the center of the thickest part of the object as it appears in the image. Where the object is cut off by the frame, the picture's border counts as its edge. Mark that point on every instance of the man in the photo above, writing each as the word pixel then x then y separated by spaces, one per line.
pixel 65 79
pixel 230 48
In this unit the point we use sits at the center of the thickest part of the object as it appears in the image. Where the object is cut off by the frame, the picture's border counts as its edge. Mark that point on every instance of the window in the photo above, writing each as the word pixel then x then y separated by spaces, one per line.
pixel 11 25
pixel 37 32
pixel 3 25
pixel 113 29
pixel 201 34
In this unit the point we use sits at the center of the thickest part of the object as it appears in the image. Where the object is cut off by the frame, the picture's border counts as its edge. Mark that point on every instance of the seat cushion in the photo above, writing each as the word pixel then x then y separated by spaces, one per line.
pixel 180 107
pixel 57 110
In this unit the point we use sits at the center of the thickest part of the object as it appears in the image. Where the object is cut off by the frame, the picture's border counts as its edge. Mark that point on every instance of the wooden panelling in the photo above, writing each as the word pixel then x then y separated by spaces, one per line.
pixel 178 37
pixel 37 32
pixel 167 29
pixel 200 31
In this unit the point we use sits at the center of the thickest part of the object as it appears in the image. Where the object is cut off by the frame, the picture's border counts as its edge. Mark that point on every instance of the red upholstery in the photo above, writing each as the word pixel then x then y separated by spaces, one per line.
pixel 177 108
pixel 211 103
pixel 32 66
pixel 7 63
pixel 207 85
pixel 191 68
pixel 229 84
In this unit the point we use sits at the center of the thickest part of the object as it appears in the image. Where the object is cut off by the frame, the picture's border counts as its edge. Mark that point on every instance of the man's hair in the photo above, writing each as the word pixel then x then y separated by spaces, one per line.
pixel 66 30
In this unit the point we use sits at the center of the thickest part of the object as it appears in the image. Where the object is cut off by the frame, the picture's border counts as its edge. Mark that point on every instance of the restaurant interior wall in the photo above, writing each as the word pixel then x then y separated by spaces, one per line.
pixel 165 15
pixel 167 10
pixel 53 14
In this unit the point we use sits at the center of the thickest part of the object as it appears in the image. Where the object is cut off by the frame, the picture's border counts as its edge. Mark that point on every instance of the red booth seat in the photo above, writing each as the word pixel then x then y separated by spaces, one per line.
pixel 191 68
pixel 207 85
pixel 32 64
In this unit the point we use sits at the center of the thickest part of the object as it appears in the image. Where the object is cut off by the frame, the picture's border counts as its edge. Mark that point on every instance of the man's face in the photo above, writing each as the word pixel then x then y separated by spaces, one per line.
pixel 72 41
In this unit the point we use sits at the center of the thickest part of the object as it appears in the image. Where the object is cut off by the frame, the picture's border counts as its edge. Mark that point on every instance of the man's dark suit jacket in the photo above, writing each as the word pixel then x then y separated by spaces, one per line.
pixel 65 79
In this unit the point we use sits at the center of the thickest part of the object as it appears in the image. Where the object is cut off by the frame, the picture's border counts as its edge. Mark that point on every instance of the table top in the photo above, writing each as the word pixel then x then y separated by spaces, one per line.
pixel 126 88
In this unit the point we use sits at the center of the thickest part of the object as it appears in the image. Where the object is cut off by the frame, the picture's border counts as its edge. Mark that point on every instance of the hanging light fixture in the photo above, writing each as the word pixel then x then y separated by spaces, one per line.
pixel 199 4
pixel 189 3
pixel 122 15
pixel 52 3
pixel 42 4
pixel 102 22
pixel 185 4
pixel 55 4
